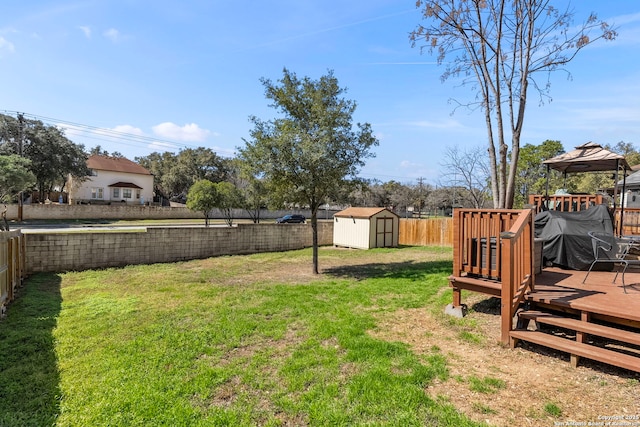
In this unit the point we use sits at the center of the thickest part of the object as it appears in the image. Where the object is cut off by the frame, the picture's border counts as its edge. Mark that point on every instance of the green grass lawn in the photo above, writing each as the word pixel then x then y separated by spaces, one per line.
pixel 239 341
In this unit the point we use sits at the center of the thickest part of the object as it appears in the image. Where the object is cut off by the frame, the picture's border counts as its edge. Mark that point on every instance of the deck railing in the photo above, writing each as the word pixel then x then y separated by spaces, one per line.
pixel 517 268
pixel 565 202
pixel 496 245
pixel 476 248
pixel 12 262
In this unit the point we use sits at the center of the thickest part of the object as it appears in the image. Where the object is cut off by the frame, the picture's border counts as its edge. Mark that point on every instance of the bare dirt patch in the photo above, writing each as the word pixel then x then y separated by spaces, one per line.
pixel 533 383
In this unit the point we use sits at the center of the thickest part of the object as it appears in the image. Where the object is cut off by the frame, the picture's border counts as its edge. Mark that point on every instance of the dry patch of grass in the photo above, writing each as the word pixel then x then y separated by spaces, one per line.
pixel 540 387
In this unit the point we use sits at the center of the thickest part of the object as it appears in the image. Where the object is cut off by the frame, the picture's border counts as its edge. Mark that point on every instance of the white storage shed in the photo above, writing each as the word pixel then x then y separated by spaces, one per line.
pixel 365 228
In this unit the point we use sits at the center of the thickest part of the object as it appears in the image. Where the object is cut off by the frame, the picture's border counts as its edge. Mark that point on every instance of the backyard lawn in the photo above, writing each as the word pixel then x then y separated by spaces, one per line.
pixel 243 340
pixel 254 340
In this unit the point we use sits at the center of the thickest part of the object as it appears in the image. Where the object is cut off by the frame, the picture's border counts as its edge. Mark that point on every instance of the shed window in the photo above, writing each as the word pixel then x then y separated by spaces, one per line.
pixel 126 193
pixel 116 193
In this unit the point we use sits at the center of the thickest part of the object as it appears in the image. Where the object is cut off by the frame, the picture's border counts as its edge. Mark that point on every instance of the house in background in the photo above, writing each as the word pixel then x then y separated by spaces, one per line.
pixel 112 180
pixel 631 196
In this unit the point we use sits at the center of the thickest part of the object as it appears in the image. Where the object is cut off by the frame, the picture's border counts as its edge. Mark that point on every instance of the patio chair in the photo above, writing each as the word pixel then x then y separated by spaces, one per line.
pixel 614 250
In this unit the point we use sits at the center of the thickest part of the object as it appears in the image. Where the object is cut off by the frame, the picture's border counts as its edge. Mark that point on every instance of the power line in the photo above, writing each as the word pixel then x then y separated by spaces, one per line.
pixel 138 141
pixel 105 134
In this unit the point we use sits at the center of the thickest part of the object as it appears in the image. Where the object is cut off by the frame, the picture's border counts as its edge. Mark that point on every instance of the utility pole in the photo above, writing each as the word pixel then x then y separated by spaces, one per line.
pixel 420 180
pixel 21 154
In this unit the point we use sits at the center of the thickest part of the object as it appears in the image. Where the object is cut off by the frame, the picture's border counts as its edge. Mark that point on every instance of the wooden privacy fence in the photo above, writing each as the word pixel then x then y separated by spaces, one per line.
pixel 426 232
pixel 12 262
pixel 631 221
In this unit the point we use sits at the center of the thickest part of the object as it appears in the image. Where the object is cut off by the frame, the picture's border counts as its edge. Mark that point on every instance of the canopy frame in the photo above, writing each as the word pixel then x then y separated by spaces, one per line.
pixel 591 157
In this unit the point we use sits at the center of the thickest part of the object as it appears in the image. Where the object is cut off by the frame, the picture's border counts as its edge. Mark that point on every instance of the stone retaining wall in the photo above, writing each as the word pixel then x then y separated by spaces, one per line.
pixel 58 252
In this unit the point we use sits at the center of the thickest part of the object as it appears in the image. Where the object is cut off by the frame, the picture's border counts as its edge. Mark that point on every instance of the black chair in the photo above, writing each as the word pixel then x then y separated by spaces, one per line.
pixel 610 249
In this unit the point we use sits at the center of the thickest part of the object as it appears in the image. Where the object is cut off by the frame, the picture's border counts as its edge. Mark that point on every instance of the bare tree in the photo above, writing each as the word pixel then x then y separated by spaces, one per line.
pixel 467 169
pixel 498 46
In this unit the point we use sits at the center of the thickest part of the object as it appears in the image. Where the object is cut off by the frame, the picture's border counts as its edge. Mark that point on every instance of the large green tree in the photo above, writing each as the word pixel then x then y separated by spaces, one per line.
pixel 313 150
pixel 499 47
pixel 52 155
pixel 531 177
pixel 14 176
pixel 174 174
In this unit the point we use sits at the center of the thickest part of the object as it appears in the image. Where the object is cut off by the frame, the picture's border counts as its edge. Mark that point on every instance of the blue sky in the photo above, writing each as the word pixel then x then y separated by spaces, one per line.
pixel 171 75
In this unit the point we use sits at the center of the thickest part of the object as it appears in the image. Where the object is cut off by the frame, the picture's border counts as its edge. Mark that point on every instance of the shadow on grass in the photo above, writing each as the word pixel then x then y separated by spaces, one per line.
pixel 29 377
pixel 491 305
pixel 394 270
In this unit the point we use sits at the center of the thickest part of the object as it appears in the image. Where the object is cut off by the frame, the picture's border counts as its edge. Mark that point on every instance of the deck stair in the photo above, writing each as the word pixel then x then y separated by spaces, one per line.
pixel 622 346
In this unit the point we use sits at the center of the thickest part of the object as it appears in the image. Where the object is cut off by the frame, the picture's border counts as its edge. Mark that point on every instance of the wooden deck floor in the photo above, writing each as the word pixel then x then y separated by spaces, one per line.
pixel 598 295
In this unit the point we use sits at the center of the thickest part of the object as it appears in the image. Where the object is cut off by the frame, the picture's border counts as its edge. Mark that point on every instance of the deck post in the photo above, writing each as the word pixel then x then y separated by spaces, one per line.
pixel 457 296
pixel 506 300
pixel 457 261
pixel 581 336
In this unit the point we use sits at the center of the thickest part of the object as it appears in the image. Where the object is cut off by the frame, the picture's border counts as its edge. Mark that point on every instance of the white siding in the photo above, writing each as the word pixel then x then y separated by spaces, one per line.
pixel 631 199
pixel 106 178
pixel 378 231
pixel 351 232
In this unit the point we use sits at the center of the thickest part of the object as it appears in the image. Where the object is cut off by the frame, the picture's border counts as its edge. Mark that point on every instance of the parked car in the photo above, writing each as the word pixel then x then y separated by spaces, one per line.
pixel 291 219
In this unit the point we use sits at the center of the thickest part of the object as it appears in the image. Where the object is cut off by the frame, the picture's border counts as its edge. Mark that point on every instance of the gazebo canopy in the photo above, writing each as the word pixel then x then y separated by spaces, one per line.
pixel 589 157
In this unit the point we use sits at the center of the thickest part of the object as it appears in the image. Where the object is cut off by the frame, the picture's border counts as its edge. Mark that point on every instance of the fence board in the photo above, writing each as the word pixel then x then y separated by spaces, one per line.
pixel 11 265
pixel 426 232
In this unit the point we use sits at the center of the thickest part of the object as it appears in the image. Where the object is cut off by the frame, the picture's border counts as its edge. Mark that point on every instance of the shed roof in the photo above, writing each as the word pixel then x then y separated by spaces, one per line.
pixel 115 164
pixel 587 157
pixel 361 212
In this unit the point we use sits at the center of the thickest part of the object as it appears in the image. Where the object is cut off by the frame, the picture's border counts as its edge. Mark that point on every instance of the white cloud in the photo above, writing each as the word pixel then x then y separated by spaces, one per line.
pixel 86 30
pixel 131 130
pixel 6 45
pixel 112 34
pixel 189 132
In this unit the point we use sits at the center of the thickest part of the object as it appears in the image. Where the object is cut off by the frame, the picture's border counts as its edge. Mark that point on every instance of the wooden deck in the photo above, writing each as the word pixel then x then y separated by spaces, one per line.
pixel 494 252
pixel 600 321
pixel 564 289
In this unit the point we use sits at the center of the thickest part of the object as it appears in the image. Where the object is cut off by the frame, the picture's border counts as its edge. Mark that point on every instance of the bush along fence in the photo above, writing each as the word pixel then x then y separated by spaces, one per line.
pixel 12 265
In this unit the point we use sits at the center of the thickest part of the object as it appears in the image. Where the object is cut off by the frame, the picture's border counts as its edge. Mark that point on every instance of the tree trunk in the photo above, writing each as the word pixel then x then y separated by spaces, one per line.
pixel 314 229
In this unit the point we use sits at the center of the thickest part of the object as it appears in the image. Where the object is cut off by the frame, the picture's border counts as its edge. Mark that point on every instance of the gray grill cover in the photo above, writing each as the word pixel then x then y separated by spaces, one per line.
pixel 566 242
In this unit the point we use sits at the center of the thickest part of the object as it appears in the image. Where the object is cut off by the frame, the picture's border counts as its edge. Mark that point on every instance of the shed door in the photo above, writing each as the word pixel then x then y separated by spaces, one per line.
pixel 384 232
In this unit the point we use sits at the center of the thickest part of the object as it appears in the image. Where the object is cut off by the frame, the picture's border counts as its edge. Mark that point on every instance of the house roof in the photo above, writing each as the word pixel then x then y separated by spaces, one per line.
pixel 631 180
pixel 361 212
pixel 115 164
pixel 587 157
pixel 121 184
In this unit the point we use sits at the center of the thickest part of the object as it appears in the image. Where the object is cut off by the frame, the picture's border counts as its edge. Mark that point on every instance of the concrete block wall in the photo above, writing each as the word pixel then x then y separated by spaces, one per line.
pixel 59 252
